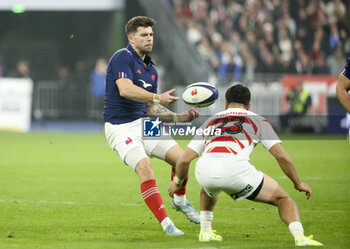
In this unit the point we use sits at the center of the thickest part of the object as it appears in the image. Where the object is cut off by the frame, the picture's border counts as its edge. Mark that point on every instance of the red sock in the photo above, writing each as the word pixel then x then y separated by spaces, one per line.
pixel 182 191
pixel 151 196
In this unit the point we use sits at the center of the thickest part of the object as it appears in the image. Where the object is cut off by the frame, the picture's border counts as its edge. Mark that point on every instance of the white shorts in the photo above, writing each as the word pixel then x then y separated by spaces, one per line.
pixel 124 138
pixel 217 172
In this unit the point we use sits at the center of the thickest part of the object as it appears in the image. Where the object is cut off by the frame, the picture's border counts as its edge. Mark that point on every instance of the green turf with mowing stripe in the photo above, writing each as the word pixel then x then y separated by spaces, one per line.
pixel 71 191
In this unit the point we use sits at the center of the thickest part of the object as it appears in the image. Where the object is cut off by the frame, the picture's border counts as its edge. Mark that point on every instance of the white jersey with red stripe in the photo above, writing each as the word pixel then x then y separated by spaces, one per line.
pixel 241 131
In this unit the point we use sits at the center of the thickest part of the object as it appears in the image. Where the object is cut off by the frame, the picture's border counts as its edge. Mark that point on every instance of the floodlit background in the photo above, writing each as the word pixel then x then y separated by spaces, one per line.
pixel 62 186
pixel 62 46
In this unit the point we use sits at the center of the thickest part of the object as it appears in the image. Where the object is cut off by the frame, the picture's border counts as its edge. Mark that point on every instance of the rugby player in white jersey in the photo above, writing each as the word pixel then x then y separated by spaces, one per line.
pixel 225 166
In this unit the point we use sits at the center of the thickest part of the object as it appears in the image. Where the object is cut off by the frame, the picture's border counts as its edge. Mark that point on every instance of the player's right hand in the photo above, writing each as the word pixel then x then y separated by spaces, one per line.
pixel 188 115
pixel 303 187
pixel 173 188
pixel 167 99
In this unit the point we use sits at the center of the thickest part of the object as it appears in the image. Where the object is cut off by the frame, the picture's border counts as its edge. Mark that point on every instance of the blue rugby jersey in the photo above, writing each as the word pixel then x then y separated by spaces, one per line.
pixel 126 63
pixel 346 71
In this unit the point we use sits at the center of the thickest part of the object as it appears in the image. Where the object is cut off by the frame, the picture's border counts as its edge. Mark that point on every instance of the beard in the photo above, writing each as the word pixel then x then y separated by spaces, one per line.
pixel 145 50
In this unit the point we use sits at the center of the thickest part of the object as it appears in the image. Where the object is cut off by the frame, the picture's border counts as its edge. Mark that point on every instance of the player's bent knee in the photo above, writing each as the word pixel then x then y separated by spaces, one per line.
pixel 167 150
pixel 173 154
pixel 283 200
pixel 279 196
pixel 144 170
pixel 145 166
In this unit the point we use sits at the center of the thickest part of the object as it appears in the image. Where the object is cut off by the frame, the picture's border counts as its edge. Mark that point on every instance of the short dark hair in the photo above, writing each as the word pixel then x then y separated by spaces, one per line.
pixel 238 94
pixel 138 21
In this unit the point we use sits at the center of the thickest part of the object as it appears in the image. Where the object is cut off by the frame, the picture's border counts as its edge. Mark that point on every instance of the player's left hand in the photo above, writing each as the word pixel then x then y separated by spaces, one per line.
pixel 173 187
pixel 188 115
pixel 303 187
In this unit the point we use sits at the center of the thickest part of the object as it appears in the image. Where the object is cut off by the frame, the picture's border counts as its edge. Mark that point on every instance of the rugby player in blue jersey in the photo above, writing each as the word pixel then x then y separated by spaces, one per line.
pixel 131 95
pixel 343 86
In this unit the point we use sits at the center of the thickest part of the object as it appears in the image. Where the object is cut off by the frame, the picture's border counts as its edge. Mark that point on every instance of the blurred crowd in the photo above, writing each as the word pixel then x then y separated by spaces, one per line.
pixel 84 82
pixel 81 77
pixel 240 38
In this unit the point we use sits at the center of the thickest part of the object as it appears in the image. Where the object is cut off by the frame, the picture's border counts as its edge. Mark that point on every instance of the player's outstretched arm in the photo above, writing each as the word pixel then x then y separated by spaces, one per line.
pixel 128 90
pixel 182 166
pixel 343 86
pixel 155 110
pixel 287 165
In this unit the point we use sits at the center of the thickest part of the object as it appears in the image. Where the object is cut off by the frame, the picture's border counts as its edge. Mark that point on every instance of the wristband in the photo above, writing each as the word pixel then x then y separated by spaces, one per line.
pixel 156 98
pixel 177 180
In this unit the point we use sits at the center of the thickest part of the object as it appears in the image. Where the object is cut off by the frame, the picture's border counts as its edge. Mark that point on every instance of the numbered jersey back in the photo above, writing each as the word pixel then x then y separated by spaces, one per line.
pixel 240 130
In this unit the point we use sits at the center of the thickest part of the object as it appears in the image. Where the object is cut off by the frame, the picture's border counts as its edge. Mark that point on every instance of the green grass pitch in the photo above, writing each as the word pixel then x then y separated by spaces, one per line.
pixel 71 191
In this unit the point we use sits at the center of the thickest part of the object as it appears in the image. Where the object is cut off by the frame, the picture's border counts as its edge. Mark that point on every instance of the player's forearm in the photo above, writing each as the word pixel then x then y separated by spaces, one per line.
pixel 286 163
pixel 182 170
pixel 183 163
pixel 344 99
pixel 136 93
pixel 156 110
pixel 288 168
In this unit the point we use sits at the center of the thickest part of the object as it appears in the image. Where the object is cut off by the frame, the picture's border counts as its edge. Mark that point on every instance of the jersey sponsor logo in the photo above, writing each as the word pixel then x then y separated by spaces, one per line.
pixel 153 76
pixel 139 71
pixel 151 127
pixel 145 84
pixel 243 192
pixel 129 140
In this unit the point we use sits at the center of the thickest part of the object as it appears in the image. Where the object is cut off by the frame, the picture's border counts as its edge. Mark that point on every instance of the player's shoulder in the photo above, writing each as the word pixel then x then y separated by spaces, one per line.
pixel 125 51
pixel 348 63
pixel 257 117
pixel 122 53
pixel 121 57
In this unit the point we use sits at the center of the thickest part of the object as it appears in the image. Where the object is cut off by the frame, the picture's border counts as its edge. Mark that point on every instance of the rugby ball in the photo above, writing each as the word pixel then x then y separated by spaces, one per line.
pixel 200 94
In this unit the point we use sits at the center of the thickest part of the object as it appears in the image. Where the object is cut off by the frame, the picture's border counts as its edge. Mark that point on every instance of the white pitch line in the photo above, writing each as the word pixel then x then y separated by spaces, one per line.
pixel 72 202
pixel 141 204
pixel 314 178
pixel 220 247
pixel 302 210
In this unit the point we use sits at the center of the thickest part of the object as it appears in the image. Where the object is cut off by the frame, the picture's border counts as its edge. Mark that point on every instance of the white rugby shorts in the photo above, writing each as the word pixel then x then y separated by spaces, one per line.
pixel 123 138
pixel 217 172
